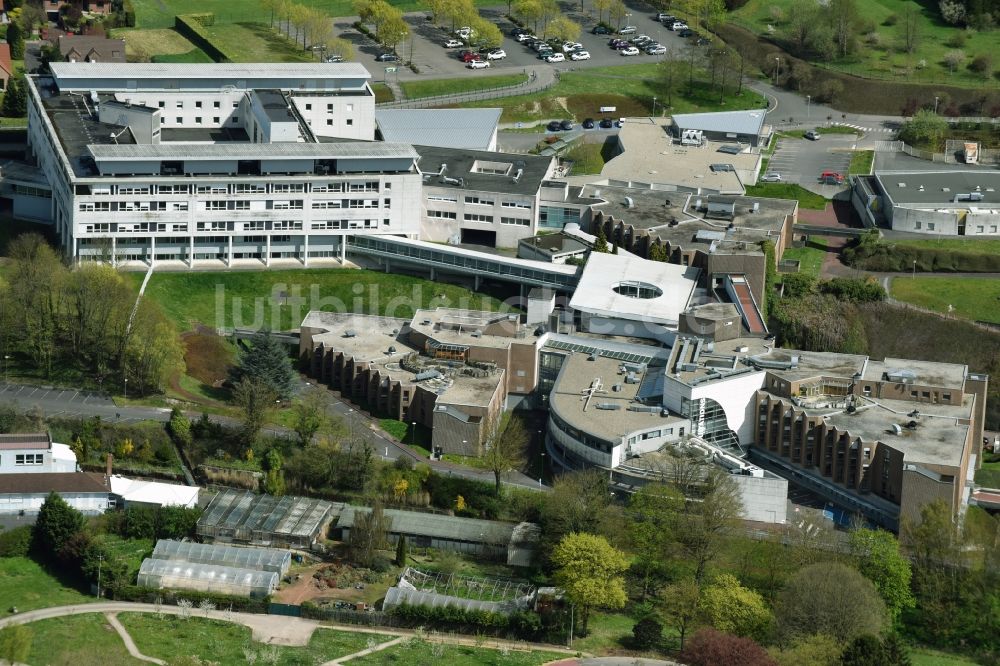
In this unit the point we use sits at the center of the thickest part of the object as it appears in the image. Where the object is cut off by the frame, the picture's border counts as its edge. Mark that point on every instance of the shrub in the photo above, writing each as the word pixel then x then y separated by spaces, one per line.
pixel 151 595
pixel 15 542
pixel 647 633
pixel 891 19
pixel 709 647
pixel 982 64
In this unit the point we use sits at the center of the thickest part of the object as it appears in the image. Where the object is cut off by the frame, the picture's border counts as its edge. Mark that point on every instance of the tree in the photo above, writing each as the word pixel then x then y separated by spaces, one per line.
pixel 392 31
pixel 954 59
pixel 647 633
pixel 909 28
pixel 649 525
pixel 529 11
pixel 15 98
pixel 709 647
pixel 505 446
pixel 266 361
pixel 15 38
pixel 255 399
pixel 952 11
pixel 310 415
pixel 670 78
pixel 865 650
pixel 590 570
pixel 844 21
pixel 485 34
pixel 341 47
pixel 680 606
pixel 924 128
pixel 617 12
pixel 15 643
pixel 701 526
pixel 815 650
pixel 563 29
pixel 734 609
pixel 601 6
pixel 318 28
pixel 369 534
pixel 401 551
pixel 577 503
pixel 601 242
pixel 878 558
pixel 829 598
pixel 180 427
pixel 274 478
pixel 549 10
pixel 57 521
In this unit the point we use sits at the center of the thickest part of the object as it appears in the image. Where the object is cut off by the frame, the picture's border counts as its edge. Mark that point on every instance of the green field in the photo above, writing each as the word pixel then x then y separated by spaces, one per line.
pixel 608 631
pixel 587 158
pixel 810 256
pixel 927 657
pixel 159 45
pixel 805 198
pixel 989 475
pixel 421 653
pixel 252 299
pixel 25 584
pixel 977 246
pixel 437 87
pixel 887 60
pixel 78 640
pixel 970 298
pixel 630 88
pixel 169 637
pixel 861 162
pixel 383 93
pixel 255 42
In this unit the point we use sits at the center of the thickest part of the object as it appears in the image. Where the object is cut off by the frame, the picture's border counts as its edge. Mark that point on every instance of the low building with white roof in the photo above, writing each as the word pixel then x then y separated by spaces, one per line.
pixel 132 492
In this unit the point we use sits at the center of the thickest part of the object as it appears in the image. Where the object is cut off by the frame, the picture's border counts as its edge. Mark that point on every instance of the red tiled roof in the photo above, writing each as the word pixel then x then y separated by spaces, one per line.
pixel 5 58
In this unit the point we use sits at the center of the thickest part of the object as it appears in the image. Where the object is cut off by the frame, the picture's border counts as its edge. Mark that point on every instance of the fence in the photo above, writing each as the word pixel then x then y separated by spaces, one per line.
pixel 533 84
pixel 984 325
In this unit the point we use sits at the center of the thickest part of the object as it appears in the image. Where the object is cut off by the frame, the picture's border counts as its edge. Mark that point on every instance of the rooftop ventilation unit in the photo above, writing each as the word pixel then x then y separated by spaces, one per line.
pixel 616 388
pixel 427 374
pixel 395 331
pixel 392 350
pixel 451 181
pixel 425 322
pixel 629 202
pixel 518 175
pixel 349 334
pixel 608 406
pixel 896 429
pixel 631 378
pixel 592 357
pixel 645 409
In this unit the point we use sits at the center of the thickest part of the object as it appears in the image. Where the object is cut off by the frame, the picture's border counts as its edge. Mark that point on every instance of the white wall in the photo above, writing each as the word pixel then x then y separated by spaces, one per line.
pixel 8 463
pixel 735 396
pixel 30 503
pixel 339 116
pixel 924 221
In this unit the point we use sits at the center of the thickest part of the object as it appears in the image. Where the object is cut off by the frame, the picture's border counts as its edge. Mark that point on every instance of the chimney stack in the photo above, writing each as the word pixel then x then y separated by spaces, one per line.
pixel 108 470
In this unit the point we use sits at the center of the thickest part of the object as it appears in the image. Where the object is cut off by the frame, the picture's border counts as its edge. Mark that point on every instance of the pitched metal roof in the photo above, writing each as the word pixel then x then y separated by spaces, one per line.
pixel 38 440
pixel 471 129
pixel 46 482
pixel 237 71
pixel 251 151
pixel 738 122
pixel 437 526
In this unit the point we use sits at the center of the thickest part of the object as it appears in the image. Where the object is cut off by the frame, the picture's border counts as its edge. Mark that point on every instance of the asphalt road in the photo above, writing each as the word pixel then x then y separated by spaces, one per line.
pixel 57 402
pixel 802 161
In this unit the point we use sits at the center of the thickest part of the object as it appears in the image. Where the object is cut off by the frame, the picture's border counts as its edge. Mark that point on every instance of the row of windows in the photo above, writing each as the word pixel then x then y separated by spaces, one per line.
pixel 442 214
pixel 473 217
pixel 237 188
pixel 29 459
pixel 515 221
pixel 479 201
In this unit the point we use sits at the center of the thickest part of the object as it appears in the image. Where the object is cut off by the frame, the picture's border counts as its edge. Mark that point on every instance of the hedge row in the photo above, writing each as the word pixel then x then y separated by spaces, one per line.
pixel 192 26
pixel 891 258
pixel 151 595
pixel 523 624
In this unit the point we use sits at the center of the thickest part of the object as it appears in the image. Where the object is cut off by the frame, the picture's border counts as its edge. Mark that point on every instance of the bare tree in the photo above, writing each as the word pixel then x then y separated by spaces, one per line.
pixel 369 534
pixel 505 445
pixel 910 29
pixel 255 399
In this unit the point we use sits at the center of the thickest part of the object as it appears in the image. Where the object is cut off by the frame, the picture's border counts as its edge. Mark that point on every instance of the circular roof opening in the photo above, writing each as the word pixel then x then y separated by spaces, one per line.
pixel 634 289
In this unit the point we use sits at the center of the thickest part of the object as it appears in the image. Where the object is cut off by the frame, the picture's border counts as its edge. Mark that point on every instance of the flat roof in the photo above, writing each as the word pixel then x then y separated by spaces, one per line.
pixel 810 364
pixel 556 243
pixel 603 273
pixel 927 373
pixel 938 188
pixel 677 218
pixel 650 155
pixel 468 391
pixel 466 129
pixel 475 328
pixel 461 163
pixel 939 438
pixel 750 121
pixel 59 482
pixel 275 106
pixel 251 151
pixel 154 492
pixel 364 337
pixel 239 71
pixel 568 398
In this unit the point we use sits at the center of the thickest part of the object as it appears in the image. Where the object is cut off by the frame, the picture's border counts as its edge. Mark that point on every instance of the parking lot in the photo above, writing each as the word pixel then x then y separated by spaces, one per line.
pixel 432 59
pixel 801 161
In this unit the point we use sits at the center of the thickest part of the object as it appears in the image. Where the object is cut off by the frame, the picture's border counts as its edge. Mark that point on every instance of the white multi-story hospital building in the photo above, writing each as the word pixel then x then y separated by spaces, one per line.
pixel 213 164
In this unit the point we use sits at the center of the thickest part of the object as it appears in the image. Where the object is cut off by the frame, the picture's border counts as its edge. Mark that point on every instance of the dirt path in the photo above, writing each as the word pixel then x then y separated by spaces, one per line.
pixel 129 643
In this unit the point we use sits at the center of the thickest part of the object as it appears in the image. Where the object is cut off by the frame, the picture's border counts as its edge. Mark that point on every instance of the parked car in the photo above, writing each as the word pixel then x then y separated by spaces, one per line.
pixel 629 51
pixel 771 178
pixel 569 47
pixel 519 31
pixel 579 55
pixel 387 57
pixel 478 64
pixel 656 49
pixel 555 57
pixel 588 123
pixel 831 177
pixel 641 40
pixel 662 16
pixel 525 37
pixel 702 41
pixel 601 30
pixel 544 55
pixel 464 32
pixel 468 56
pixel 540 45
pixel 554 126
pixel 812 135
pixel 685 32
pixel 566 125
pixel 617 43
pixel 628 30
pixel 496 54
pixel 453 43
pixel 333 57
pixel 607 123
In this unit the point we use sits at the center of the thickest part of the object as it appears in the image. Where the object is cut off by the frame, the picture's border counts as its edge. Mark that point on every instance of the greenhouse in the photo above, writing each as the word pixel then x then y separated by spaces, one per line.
pixel 258 559
pixel 264 520
pixel 206 578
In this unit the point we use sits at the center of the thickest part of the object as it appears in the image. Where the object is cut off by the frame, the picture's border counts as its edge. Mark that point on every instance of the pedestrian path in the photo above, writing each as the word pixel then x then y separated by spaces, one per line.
pixel 129 643
pixel 888 146
pixel 866 130
pixel 364 653
pixel 540 78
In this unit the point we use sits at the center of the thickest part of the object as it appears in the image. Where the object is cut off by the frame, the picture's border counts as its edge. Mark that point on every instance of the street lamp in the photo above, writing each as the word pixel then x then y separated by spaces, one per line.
pixel 5 359
pixel 654 106
pixel 777 68
pixel 126 389
pixel 808 100
pixel 413 432
pixel 936 98
pixel 913 276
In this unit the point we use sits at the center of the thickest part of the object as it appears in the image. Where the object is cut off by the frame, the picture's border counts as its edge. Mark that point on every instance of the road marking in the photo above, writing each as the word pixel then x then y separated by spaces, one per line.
pixel 33 393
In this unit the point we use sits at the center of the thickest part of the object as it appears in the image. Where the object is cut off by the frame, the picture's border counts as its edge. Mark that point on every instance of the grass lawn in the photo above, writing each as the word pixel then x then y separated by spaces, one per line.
pixel 630 88
pixel 587 158
pixel 161 45
pixel 436 87
pixel 888 60
pixel 805 198
pixel 977 246
pixel 383 93
pixel 77 640
pixel 836 129
pixel 251 299
pixel 861 162
pixel 607 631
pixel 416 437
pixel 169 637
pixel 971 298
pixel 25 584
pixel 418 653
pixel 989 475
pixel 928 657
pixel 255 42
pixel 130 551
pixel 810 257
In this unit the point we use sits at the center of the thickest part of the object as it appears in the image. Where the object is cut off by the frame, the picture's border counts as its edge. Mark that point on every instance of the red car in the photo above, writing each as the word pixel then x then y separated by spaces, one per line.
pixel 831 177
pixel 469 56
